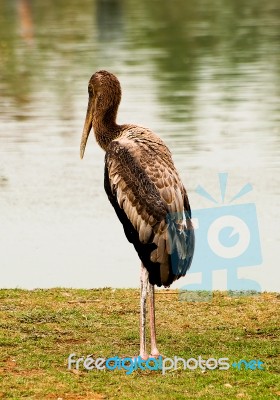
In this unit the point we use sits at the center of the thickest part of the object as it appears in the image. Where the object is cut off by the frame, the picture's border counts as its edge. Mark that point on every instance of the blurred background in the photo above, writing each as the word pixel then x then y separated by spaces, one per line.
pixel 203 74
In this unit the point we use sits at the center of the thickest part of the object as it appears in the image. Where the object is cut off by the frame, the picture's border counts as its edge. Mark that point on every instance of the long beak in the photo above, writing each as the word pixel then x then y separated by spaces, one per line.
pixel 87 127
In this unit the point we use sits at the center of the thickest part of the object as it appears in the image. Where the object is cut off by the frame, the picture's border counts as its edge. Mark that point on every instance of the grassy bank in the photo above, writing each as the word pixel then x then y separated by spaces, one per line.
pixel 40 328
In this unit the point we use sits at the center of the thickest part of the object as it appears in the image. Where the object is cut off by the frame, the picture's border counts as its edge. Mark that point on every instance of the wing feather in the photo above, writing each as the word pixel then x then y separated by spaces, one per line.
pixel 144 184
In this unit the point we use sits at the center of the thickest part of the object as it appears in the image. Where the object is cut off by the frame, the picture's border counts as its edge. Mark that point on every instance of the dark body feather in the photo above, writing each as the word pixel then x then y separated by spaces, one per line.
pixel 150 200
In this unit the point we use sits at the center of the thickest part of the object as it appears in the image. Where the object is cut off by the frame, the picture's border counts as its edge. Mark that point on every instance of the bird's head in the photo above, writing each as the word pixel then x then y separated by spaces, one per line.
pixel 104 93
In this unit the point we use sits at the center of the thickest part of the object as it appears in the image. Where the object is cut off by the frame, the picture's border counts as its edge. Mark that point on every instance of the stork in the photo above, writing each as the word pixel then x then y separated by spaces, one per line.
pixel 148 196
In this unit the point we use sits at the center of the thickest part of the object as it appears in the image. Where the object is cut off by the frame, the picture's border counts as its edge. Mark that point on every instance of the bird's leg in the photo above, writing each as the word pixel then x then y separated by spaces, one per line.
pixel 154 350
pixel 144 284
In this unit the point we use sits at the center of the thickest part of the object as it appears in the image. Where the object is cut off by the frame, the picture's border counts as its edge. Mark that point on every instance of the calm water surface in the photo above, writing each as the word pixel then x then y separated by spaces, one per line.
pixel 204 75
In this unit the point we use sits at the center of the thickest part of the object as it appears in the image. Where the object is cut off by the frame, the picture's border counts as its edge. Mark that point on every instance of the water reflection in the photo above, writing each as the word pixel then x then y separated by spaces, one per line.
pixel 203 74
pixel 26 20
pixel 109 20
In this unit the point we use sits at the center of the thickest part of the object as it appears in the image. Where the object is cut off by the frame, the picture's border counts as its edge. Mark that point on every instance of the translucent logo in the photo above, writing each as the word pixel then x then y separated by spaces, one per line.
pixel 226 238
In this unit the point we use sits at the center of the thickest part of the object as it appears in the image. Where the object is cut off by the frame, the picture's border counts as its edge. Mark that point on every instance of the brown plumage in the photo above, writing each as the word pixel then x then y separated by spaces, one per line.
pixel 144 188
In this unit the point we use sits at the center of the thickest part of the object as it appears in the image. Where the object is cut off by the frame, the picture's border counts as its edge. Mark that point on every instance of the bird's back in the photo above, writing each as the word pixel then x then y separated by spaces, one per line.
pixel 150 200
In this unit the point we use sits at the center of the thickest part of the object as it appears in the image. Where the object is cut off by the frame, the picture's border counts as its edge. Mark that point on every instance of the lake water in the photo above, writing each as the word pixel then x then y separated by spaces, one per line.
pixel 203 74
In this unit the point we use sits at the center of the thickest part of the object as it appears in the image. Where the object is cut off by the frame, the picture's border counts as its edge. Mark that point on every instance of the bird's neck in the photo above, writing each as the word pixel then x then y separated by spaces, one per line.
pixel 105 127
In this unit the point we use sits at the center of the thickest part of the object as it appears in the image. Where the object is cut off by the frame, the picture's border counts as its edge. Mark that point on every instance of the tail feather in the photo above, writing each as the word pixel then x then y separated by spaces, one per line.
pixel 174 249
pixel 181 242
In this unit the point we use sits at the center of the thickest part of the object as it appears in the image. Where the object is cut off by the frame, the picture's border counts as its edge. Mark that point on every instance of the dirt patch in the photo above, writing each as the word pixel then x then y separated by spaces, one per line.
pixel 73 396
pixel 11 367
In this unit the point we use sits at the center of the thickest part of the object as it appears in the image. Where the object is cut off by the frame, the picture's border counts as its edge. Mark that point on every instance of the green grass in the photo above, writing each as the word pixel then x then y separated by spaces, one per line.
pixel 40 328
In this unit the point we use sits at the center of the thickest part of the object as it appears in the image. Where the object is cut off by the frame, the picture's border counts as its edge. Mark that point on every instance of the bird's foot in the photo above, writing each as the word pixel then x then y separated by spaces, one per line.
pixel 144 356
pixel 155 353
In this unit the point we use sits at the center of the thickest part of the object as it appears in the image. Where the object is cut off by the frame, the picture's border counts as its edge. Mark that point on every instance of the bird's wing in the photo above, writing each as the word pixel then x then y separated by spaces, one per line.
pixel 146 186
